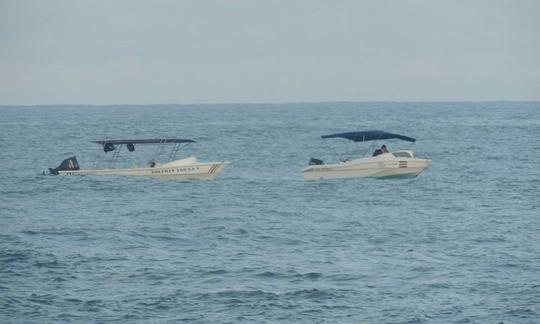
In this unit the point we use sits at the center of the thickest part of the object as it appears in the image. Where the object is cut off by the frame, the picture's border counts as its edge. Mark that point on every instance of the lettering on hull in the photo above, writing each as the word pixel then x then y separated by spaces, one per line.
pixel 175 170
pixel 135 172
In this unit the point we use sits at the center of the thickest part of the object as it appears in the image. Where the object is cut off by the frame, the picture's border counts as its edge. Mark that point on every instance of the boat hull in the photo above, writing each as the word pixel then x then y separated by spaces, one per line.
pixel 362 169
pixel 206 170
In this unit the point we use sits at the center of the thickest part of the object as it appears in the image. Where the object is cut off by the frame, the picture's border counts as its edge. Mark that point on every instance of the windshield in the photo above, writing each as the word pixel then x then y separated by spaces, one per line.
pixel 402 154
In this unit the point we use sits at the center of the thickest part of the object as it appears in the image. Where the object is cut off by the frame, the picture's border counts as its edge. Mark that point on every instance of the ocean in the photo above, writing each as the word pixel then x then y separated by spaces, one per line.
pixel 460 243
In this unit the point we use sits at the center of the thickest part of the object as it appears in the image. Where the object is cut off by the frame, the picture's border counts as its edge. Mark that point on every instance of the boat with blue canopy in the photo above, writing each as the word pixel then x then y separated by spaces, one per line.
pixel 381 163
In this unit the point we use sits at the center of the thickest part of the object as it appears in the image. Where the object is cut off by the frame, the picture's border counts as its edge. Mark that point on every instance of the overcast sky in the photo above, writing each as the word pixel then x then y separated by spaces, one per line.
pixel 141 52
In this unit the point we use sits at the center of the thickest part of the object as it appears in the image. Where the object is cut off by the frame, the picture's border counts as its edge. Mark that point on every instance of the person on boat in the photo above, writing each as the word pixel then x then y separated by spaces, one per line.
pixel 380 151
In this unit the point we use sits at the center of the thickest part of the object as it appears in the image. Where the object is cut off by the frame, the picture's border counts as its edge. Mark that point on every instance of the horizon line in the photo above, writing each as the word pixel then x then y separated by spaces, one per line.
pixel 267 103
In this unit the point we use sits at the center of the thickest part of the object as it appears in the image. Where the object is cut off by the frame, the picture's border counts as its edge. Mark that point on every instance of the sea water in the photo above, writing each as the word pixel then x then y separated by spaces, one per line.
pixel 459 243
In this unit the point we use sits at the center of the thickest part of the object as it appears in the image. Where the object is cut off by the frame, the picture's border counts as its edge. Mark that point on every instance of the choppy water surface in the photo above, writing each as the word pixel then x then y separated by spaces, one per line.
pixel 459 243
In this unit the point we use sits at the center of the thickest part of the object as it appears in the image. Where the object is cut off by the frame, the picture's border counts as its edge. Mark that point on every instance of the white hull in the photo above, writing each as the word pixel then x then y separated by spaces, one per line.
pixel 385 165
pixel 171 170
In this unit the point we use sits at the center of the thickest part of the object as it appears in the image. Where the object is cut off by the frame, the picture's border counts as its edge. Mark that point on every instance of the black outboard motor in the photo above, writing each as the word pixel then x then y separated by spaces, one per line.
pixel 66 165
pixel 314 161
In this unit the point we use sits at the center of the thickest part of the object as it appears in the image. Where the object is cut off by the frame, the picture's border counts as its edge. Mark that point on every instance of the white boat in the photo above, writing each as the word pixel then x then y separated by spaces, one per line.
pixel 380 164
pixel 187 168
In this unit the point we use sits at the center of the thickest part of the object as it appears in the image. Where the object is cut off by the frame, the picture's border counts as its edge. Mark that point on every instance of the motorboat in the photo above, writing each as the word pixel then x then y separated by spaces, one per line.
pixel 186 168
pixel 382 163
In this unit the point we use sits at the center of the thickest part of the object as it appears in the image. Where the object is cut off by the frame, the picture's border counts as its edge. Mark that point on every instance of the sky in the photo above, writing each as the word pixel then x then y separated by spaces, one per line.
pixel 162 52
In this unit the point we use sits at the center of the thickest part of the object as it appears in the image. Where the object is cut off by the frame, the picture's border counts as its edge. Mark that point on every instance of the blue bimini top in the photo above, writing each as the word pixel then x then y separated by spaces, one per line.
pixel 371 135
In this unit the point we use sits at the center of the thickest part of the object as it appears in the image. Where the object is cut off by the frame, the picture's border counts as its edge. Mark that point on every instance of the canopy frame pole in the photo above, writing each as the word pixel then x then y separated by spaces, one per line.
pixel 177 147
pixel 115 156
pixel 98 156
pixel 173 152
pixel 116 153
pixel 159 150
pixel 370 148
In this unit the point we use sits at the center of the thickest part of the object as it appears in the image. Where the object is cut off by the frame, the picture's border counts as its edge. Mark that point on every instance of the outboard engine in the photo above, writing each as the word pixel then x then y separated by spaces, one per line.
pixel 66 165
pixel 314 161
